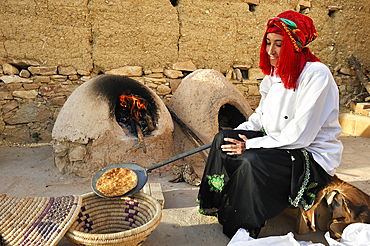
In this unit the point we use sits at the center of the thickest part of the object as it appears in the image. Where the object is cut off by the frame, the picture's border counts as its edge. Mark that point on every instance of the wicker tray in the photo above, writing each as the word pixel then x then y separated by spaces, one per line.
pixel 124 221
pixel 36 220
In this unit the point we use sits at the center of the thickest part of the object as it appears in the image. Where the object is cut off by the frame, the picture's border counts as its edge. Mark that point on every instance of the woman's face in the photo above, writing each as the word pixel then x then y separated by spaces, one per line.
pixel 273 45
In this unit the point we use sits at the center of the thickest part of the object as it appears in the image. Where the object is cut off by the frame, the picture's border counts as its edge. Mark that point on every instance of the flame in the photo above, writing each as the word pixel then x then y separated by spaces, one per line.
pixel 133 104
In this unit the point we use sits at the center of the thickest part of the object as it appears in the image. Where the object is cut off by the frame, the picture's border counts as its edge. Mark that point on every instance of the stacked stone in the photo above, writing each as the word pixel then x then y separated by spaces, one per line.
pixel 348 83
pixel 162 81
pixel 247 80
pixel 32 95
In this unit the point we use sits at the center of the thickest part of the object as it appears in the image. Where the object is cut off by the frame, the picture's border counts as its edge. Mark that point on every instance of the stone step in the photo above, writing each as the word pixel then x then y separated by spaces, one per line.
pixel 357 125
pixel 154 190
pixel 363 108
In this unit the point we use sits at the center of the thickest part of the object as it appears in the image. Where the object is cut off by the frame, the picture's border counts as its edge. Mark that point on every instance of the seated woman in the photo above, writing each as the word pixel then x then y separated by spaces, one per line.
pixel 289 148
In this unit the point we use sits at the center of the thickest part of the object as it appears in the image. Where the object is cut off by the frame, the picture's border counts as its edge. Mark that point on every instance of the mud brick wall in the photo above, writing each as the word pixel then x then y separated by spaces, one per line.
pixel 49 47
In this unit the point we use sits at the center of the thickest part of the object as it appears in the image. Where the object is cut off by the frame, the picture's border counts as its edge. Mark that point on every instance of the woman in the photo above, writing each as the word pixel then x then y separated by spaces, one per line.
pixel 288 149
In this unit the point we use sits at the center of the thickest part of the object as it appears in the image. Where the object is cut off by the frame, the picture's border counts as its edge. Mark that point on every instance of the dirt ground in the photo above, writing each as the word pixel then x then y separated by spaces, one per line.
pixel 29 171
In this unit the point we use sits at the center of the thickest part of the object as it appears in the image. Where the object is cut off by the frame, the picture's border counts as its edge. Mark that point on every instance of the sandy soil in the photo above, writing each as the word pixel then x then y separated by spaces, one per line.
pixel 29 171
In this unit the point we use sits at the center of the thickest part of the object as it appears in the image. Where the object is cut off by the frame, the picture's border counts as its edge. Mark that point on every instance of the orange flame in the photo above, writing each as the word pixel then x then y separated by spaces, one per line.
pixel 132 104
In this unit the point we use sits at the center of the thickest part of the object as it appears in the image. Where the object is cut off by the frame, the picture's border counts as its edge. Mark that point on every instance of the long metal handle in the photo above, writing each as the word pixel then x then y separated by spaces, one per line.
pixel 190 152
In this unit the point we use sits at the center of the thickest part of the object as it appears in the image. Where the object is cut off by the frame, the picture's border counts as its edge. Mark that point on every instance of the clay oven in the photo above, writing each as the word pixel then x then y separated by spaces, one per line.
pixel 207 102
pixel 87 135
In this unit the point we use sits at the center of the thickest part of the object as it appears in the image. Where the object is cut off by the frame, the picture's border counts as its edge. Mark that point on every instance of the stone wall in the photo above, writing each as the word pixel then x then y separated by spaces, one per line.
pixel 48 48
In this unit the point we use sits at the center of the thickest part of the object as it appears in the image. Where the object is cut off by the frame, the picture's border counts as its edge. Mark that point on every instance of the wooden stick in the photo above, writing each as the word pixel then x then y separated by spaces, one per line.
pixel 362 77
pixel 195 143
pixel 189 133
pixel 181 123
pixel 140 138
pixel 148 120
pixel 357 97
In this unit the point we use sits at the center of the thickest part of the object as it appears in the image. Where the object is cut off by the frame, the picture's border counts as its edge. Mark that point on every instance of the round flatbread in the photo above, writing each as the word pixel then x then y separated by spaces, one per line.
pixel 117 182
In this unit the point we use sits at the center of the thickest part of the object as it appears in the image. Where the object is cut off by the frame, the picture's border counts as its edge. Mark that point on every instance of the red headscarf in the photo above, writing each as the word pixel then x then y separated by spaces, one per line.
pixel 297 31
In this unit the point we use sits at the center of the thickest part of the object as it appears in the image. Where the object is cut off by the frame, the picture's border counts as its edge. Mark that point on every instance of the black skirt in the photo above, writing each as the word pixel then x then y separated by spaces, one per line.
pixel 245 190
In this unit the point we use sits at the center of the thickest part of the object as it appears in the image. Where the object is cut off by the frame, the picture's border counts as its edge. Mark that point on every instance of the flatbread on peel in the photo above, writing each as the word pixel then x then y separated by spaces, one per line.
pixel 117 182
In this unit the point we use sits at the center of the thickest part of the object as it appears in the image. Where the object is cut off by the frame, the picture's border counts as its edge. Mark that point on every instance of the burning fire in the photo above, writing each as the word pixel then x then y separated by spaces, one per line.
pixel 133 105
pixel 132 114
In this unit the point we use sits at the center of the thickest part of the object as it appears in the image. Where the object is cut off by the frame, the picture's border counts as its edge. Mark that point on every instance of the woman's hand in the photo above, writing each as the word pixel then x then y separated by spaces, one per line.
pixel 236 148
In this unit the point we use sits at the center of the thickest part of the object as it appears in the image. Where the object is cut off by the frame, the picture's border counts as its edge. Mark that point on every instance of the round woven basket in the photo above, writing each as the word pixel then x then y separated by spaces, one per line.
pixel 124 221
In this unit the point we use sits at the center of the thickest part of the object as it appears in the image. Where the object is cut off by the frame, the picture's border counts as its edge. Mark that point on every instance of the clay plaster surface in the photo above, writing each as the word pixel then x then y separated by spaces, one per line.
pixel 213 34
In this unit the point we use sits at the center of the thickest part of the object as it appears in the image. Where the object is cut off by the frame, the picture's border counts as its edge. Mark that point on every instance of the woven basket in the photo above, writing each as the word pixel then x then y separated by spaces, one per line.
pixel 125 221
pixel 36 220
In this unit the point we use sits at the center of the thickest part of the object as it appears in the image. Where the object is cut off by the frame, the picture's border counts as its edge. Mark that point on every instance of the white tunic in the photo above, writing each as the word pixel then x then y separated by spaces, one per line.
pixel 303 118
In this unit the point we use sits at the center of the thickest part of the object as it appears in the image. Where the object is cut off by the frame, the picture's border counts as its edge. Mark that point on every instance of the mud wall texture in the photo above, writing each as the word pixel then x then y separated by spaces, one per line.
pixel 100 36
pixel 212 33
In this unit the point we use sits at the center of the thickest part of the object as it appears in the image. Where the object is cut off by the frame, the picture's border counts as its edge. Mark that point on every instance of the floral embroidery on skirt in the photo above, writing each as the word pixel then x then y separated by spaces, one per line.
pixel 216 182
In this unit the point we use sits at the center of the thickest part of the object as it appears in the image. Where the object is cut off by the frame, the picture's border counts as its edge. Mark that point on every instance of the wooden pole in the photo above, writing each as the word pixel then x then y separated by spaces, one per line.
pixel 140 138
pixel 196 141
pixel 362 77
